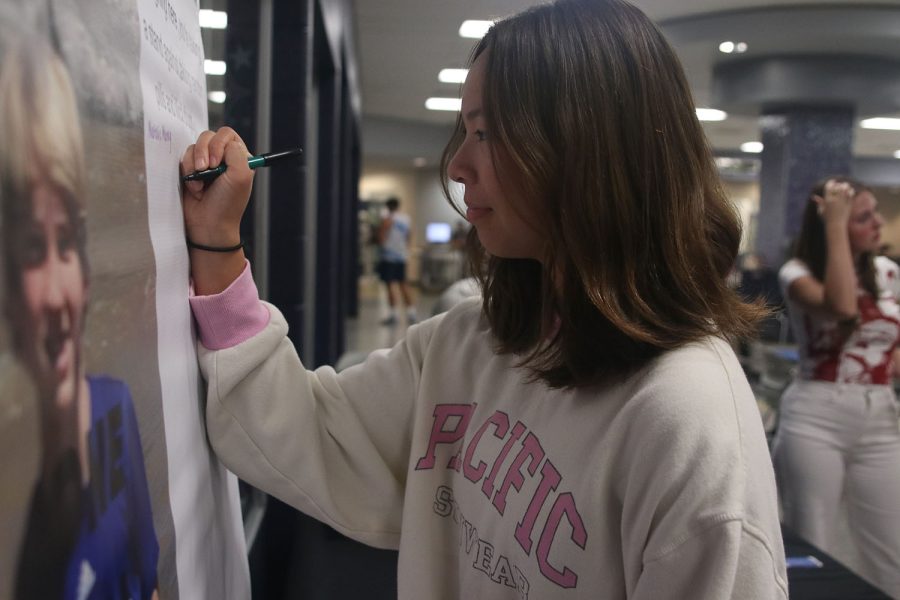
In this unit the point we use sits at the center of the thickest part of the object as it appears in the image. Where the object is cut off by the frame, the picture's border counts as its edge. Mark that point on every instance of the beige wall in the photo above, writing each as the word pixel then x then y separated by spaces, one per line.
pixel 745 196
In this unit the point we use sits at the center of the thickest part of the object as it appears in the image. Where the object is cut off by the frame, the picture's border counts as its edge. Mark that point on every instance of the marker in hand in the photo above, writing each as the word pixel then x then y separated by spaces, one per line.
pixel 261 160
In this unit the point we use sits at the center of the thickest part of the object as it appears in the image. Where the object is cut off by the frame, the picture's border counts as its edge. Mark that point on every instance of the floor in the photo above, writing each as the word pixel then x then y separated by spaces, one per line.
pixel 365 333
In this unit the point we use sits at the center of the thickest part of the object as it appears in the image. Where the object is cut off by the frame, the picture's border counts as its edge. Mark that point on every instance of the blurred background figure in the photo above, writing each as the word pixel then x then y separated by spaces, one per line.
pixel 394 241
pixel 838 436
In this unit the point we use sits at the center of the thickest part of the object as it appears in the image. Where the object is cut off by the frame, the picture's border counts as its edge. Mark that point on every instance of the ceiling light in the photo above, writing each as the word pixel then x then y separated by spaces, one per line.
pixel 740 47
pixel 881 123
pixel 420 161
pixel 213 19
pixel 214 67
pixel 453 75
pixel 453 104
pixel 711 114
pixel 216 96
pixel 474 29
pixel 726 47
pixel 897 154
pixel 754 147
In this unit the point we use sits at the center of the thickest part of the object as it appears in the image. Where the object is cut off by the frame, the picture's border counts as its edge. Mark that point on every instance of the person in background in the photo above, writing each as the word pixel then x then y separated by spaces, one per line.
pixel 393 241
pixel 582 429
pixel 838 436
pixel 89 532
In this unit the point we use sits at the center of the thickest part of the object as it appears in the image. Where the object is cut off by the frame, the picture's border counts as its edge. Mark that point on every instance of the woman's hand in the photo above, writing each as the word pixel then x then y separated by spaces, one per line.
pixel 213 210
pixel 835 206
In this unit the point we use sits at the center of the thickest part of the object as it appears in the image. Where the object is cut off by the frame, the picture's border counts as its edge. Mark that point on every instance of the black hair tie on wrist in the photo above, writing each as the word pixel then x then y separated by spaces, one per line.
pixel 234 248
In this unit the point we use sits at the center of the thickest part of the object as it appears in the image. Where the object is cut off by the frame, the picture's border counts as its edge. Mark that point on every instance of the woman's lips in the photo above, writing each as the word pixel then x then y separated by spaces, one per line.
pixel 474 213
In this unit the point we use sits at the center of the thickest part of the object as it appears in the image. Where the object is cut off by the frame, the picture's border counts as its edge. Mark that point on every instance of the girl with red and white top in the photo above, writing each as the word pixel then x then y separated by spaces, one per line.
pixel 838 435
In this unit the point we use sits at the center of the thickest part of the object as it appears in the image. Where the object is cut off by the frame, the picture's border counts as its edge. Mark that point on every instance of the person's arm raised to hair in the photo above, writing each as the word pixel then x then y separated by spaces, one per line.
pixel 213 211
pixel 835 297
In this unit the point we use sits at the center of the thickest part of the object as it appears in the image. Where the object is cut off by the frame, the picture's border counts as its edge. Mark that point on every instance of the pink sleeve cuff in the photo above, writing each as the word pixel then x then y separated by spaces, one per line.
pixel 232 316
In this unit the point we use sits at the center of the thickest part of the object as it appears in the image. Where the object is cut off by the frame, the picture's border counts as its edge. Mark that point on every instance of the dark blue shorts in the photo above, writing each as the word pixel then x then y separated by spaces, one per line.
pixel 389 270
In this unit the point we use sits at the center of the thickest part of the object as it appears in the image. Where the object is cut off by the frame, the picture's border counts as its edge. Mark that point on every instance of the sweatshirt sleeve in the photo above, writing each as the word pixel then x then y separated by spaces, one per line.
pixel 700 516
pixel 730 559
pixel 335 446
pixel 232 316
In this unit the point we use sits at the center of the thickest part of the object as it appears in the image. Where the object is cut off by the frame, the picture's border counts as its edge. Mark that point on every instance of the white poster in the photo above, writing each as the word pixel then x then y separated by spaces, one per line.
pixel 174 92
pixel 108 488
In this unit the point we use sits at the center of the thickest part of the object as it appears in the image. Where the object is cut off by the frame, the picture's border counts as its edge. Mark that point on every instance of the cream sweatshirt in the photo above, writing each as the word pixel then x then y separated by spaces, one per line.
pixel 493 487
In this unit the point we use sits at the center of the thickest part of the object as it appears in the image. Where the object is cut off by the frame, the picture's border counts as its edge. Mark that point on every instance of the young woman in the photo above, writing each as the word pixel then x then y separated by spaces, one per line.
pixel 838 436
pixel 581 431
pixel 89 531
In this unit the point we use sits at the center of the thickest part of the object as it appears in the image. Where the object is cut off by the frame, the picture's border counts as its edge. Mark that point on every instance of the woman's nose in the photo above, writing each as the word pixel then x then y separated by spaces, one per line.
pixel 54 297
pixel 456 169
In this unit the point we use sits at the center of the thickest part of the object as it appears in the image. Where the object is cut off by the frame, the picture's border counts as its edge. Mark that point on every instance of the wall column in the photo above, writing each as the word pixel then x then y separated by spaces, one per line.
pixel 801 145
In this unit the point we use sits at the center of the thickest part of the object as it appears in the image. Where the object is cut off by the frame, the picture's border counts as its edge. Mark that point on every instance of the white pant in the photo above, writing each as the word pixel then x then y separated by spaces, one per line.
pixel 839 441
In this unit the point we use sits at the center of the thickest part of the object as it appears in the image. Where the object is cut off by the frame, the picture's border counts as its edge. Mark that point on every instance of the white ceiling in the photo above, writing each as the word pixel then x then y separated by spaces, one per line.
pixel 402 44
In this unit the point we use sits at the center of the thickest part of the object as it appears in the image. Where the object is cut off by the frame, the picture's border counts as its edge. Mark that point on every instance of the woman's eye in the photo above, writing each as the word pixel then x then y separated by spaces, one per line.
pixel 33 249
pixel 65 241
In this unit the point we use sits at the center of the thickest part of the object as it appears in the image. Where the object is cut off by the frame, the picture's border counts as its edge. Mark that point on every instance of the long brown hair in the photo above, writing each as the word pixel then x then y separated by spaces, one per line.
pixel 591 116
pixel 811 246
